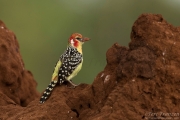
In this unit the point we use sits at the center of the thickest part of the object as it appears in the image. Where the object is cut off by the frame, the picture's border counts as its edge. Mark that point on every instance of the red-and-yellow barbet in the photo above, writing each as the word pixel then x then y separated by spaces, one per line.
pixel 68 65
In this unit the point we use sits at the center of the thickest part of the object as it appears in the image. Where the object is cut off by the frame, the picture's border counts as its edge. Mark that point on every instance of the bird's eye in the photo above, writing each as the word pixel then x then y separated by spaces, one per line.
pixel 79 39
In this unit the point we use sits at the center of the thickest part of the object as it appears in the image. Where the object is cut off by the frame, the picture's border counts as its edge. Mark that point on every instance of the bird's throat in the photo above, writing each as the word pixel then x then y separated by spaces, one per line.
pixel 78 46
pixel 79 49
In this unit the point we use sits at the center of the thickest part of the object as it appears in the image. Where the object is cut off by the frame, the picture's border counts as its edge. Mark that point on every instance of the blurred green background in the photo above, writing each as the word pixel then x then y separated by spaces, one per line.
pixel 43 27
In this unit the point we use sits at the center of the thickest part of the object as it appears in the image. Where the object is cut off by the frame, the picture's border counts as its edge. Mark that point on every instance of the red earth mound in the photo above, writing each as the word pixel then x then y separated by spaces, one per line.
pixel 139 82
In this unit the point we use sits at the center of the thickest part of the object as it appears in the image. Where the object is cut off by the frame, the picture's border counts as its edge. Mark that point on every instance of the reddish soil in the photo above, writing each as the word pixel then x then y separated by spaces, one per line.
pixel 139 82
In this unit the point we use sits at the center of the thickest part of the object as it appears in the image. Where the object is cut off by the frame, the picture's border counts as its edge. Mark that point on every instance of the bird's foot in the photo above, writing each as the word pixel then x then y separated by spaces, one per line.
pixel 72 84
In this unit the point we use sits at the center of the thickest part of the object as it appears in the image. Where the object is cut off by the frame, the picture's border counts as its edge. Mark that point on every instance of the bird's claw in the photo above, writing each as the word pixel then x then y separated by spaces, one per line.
pixel 72 86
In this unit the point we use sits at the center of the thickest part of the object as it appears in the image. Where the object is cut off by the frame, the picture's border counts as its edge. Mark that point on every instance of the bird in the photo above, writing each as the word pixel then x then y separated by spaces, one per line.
pixel 68 65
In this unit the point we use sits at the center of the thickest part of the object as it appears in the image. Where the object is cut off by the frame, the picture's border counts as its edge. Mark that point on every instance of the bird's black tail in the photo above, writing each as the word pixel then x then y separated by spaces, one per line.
pixel 47 92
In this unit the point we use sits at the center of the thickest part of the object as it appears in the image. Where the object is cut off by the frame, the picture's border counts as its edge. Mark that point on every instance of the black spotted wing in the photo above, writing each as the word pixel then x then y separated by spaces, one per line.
pixel 70 60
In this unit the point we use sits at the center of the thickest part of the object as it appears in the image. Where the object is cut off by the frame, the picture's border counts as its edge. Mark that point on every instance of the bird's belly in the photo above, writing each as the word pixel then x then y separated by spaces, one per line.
pixel 75 72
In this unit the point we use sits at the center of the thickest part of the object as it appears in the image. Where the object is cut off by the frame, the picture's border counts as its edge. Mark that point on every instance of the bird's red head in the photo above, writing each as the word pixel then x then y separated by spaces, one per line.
pixel 77 40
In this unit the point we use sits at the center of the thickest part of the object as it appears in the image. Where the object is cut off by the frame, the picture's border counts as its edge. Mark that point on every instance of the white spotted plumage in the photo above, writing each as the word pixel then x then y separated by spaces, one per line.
pixel 68 65
pixel 70 61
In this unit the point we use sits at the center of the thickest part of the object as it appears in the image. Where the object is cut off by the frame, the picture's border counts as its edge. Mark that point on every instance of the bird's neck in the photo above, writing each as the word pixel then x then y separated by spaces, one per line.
pixel 78 48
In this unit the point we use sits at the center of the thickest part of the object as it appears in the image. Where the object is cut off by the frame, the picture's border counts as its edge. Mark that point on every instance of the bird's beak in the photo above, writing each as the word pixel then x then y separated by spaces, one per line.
pixel 85 39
